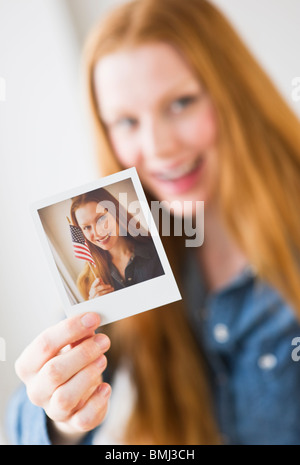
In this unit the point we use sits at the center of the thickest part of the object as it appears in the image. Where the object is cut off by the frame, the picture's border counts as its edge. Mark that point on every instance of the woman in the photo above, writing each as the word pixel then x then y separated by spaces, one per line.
pixel 122 259
pixel 174 92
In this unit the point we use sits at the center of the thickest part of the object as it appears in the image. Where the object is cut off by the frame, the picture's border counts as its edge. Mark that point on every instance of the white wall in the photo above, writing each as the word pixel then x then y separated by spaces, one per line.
pixel 43 150
pixel 44 142
pixel 86 13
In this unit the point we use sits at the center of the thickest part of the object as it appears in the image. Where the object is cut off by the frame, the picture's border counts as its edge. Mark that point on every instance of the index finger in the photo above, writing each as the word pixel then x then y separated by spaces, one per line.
pixel 52 340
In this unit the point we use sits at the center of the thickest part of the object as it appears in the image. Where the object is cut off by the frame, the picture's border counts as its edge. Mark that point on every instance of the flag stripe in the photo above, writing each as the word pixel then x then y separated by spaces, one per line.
pixel 86 259
pixel 82 253
pixel 80 247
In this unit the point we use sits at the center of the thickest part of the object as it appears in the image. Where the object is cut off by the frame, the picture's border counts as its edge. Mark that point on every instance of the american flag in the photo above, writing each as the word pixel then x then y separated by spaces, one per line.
pixel 80 247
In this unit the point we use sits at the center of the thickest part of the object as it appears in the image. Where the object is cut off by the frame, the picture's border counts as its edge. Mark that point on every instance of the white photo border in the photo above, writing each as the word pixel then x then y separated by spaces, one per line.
pixel 125 302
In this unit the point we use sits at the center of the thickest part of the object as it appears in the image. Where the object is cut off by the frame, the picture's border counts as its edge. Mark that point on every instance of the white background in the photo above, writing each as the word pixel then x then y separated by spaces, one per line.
pixel 45 143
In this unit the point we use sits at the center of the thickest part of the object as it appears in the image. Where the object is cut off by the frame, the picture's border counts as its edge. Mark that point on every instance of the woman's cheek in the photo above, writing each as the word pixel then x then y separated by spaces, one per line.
pixel 125 151
pixel 87 236
pixel 199 132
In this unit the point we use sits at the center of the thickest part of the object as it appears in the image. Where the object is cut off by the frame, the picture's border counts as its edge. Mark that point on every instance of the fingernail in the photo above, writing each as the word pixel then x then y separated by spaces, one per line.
pixel 102 341
pixel 104 389
pixel 101 361
pixel 90 320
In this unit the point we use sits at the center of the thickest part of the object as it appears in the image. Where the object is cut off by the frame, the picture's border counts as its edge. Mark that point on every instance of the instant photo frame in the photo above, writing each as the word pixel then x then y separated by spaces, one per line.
pixel 50 217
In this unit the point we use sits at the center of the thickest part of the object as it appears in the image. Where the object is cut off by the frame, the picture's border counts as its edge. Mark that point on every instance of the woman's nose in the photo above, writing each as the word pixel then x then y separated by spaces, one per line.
pixel 93 233
pixel 101 228
pixel 158 139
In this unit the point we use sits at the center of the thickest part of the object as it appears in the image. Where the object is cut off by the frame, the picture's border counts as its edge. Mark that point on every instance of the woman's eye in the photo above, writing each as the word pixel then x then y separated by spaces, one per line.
pixel 102 219
pixel 126 123
pixel 181 103
pixel 86 228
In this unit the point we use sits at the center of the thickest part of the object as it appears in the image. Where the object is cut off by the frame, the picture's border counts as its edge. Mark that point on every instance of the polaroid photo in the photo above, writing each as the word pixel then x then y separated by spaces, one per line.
pixel 104 249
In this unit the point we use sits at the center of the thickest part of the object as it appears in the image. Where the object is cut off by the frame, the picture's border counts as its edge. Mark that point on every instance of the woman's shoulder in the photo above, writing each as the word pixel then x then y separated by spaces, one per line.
pixel 144 247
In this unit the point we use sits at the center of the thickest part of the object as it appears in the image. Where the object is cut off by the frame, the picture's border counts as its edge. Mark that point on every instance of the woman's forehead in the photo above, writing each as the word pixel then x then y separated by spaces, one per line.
pixel 134 76
pixel 89 211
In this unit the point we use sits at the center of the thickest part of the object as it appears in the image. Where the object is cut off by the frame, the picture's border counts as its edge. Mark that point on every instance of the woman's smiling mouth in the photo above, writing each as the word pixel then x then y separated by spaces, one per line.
pixel 180 178
pixel 104 239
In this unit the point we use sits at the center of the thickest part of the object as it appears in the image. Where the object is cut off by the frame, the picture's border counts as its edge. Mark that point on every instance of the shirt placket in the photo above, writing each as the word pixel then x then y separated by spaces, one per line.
pixel 129 271
pixel 218 339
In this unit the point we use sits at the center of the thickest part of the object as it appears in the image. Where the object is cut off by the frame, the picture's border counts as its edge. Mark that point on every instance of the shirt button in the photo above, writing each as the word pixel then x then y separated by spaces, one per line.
pixel 267 361
pixel 221 333
pixel 129 279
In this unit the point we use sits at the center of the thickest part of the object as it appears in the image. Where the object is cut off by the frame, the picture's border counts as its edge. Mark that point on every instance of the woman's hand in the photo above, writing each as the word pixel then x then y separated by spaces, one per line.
pixel 62 370
pixel 98 288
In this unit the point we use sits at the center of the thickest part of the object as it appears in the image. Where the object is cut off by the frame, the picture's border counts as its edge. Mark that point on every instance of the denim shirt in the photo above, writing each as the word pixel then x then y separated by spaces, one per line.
pixel 245 331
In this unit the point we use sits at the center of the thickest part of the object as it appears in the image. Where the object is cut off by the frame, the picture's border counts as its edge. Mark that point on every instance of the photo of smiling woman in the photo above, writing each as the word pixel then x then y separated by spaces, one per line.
pixel 123 251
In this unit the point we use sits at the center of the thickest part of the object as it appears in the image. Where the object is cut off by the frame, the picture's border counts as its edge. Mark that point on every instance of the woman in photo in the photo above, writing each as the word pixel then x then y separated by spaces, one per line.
pixel 175 93
pixel 122 250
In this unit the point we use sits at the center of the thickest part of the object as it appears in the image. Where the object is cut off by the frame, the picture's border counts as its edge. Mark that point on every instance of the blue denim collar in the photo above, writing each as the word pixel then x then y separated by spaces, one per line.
pixel 194 287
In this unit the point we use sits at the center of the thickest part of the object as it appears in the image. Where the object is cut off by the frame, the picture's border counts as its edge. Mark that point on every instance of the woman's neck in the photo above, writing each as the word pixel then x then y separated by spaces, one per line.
pixel 120 254
pixel 219 257
pixel 121 249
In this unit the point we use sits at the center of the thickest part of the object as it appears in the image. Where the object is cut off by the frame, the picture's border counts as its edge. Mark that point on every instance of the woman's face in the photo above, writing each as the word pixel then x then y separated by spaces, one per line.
pixel 98 225
pixel 161 120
